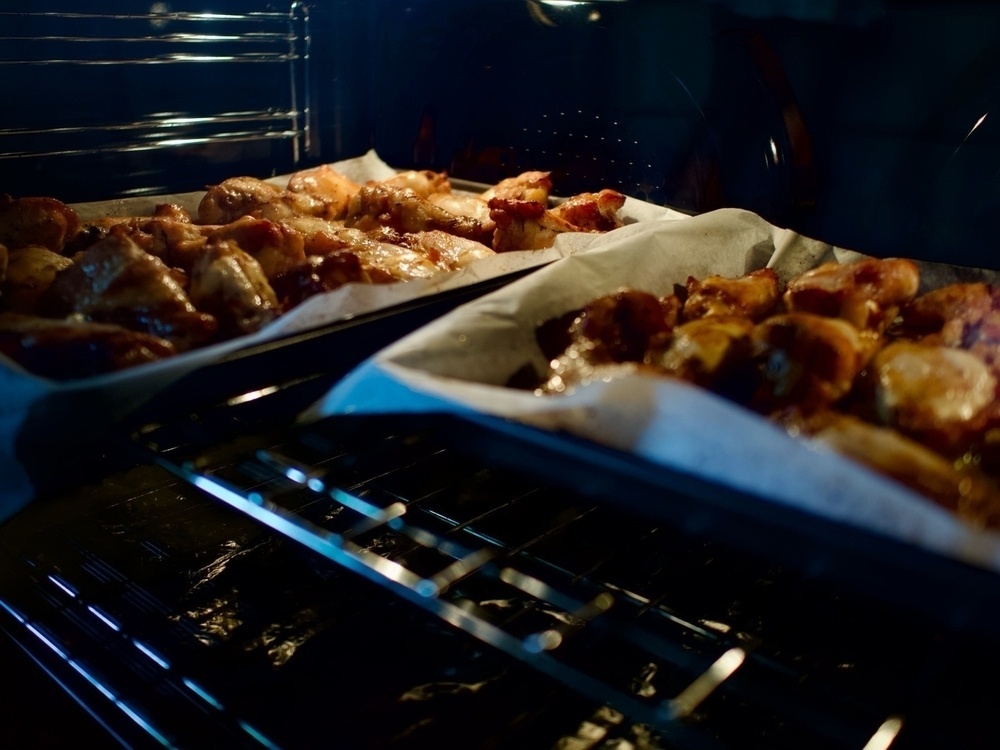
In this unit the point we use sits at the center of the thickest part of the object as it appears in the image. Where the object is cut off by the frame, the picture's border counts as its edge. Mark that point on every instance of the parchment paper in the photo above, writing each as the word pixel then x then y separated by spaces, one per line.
pixel 81 409
pixel 460 362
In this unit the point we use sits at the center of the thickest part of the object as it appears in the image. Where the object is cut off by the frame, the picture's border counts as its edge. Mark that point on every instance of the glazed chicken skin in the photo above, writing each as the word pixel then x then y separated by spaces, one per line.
pixel 237 197
pixel 42 221
pixel 754 295
pixel 525 225
pixel 845 355
pixel 961 487
pixel 76 348
pixel 115 281
pixel 230 284
pixel 402 209
pixel 866 293
pixel 249 251
pixel 592 212
pixel 610 335
pixel 534 186
pixel 29 272
pixel 326 184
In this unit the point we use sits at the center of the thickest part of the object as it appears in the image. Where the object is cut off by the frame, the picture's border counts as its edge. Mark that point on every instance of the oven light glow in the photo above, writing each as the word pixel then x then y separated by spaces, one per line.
pixel 93 681
pixel 886 734
pixel 63 585
pixel 774 150
pixel 252 395
pixel 203 694
pixel 704 685
pixel 103 618
pixel 257 735
pixel 978 123
pixel 143 723
pixel 13 612
pixel 151 654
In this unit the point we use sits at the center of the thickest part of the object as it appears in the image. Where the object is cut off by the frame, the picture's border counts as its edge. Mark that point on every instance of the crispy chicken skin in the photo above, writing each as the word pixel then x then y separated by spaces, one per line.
pixel 115 281
pixel 754 295
pixel 611 330
pixel 405 211
pixel 446 251
pixel 532 186
pixel 423 182
pixel 318 274
pixel 806 359
pixel 708 351
pixel 230 284
pixel 30 271
pixel 471 206
pixel 846 355
pixel 332 188
pixel 866 293
pixel 277 248
pixel 254 249
pixel 74 348
pixel 525 225
pixel 36 221
pixel 592 212
pixel 237 197
pixel 960 487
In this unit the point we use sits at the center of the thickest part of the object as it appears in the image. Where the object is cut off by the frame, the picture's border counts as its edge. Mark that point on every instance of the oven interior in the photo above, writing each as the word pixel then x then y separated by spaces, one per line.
pixel 213 572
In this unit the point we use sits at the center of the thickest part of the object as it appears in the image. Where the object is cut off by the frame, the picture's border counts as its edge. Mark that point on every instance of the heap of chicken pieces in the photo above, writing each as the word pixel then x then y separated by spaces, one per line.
pixel 82 298
pixel 847 354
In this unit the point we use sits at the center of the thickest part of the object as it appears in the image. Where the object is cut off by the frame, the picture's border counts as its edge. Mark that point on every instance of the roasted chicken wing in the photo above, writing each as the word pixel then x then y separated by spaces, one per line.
pixel 115 281
pixel 74 348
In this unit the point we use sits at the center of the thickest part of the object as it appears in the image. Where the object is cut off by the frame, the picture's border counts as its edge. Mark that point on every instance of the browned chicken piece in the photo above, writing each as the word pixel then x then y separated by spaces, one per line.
pixel 940 395
pixel 527 186
pixel 446 251
pixel 403 210
pixel 275 246
pixel 115 281
pixel 808 360
pixel 965 316
pixel 959 487
pixel 318 274
pixel 172 211
pixel 72 348
pixel 423 182
pixel 331 187
pixel 230 284
pixel 36 221
pixel 866 293
pixel 525 225
pixel 460 204
pixel 383 255
pixel 709 351
pixel 30 271
pixel 176 243
pixel 617 328
pixel 592 212
pixel 755 295
pixel 237 197
pixel 385 261
pixel 322 236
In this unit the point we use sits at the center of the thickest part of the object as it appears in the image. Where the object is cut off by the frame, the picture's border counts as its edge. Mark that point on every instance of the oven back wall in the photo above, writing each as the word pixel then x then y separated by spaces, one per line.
pixel 865 122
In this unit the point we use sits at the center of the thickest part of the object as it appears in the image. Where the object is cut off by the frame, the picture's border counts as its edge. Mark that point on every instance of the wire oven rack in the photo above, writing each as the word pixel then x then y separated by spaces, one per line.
pixel 697 627
pixel 624 607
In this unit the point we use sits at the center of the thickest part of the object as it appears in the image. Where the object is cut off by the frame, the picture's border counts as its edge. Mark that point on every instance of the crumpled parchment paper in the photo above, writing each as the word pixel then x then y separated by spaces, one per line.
pixel 460 362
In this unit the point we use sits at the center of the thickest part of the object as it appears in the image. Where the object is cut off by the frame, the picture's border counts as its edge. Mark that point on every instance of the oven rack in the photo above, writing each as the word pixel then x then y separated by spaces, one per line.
pixel 637 615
